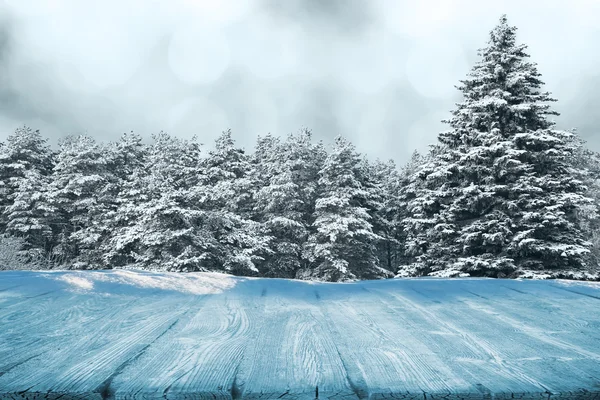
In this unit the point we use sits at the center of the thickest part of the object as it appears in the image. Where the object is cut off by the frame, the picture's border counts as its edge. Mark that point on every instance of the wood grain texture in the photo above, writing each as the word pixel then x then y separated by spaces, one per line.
pixel 97 335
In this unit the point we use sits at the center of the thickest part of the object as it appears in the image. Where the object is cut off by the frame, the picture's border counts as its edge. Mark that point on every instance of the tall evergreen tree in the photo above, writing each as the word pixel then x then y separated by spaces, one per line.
pixel 30 216
pixel 226 196
pixel 266 160
pixel 272 188
pixel 127 155
pixel 501 191
pixel 342 242
pixel 383 183
pixel 127 159
pixel 285 199
pixel 77 197
pixel 157 224
pixel 589 217
pixel 25 150
pixel 410 187
pixel 306 162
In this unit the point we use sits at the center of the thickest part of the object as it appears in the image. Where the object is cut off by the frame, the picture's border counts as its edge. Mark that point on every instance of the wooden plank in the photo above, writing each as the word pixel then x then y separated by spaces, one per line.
pixel 293 354
pixel 396 339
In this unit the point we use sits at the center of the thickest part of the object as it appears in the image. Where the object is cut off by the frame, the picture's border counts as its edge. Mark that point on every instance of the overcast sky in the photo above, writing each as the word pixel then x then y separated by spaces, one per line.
pixel 380 72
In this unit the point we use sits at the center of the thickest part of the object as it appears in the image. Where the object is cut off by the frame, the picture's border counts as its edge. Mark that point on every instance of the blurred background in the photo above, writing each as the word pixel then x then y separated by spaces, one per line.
pixel 380 72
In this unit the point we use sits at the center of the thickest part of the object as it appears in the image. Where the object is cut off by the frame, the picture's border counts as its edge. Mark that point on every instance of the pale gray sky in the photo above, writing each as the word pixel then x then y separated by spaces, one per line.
pixel 380 72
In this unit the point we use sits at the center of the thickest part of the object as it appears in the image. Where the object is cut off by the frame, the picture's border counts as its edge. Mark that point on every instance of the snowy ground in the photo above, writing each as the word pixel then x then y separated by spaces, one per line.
pixel 209 336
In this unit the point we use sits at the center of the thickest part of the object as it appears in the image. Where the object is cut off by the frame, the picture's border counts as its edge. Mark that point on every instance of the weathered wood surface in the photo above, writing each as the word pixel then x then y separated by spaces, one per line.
pixel 125 335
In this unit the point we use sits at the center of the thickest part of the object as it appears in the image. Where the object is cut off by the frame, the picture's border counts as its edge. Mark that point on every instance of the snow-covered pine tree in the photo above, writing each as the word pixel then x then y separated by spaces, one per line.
pixel 283 202
pixel 127 159
pixel 158 226
pixel 501 190
pixel 25 150
pixel 225 194
pixel 381 182
pixel 589 217
pixel 412 231
pixel 127 155
pixel 227 170
pixel 265 161
pixel 306 161
pixel 78 199
pixel 30 217
pixel 267 164
pixel 341 245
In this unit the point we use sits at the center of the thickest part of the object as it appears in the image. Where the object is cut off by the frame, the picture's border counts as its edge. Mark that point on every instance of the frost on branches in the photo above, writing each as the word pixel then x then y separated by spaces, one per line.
pixel 501 192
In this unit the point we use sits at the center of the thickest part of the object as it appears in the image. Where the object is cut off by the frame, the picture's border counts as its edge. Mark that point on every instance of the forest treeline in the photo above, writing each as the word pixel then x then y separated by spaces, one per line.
pixel 503 193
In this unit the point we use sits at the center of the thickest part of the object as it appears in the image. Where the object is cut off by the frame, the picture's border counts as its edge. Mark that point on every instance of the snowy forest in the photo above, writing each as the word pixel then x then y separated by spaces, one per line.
pixel 503 193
